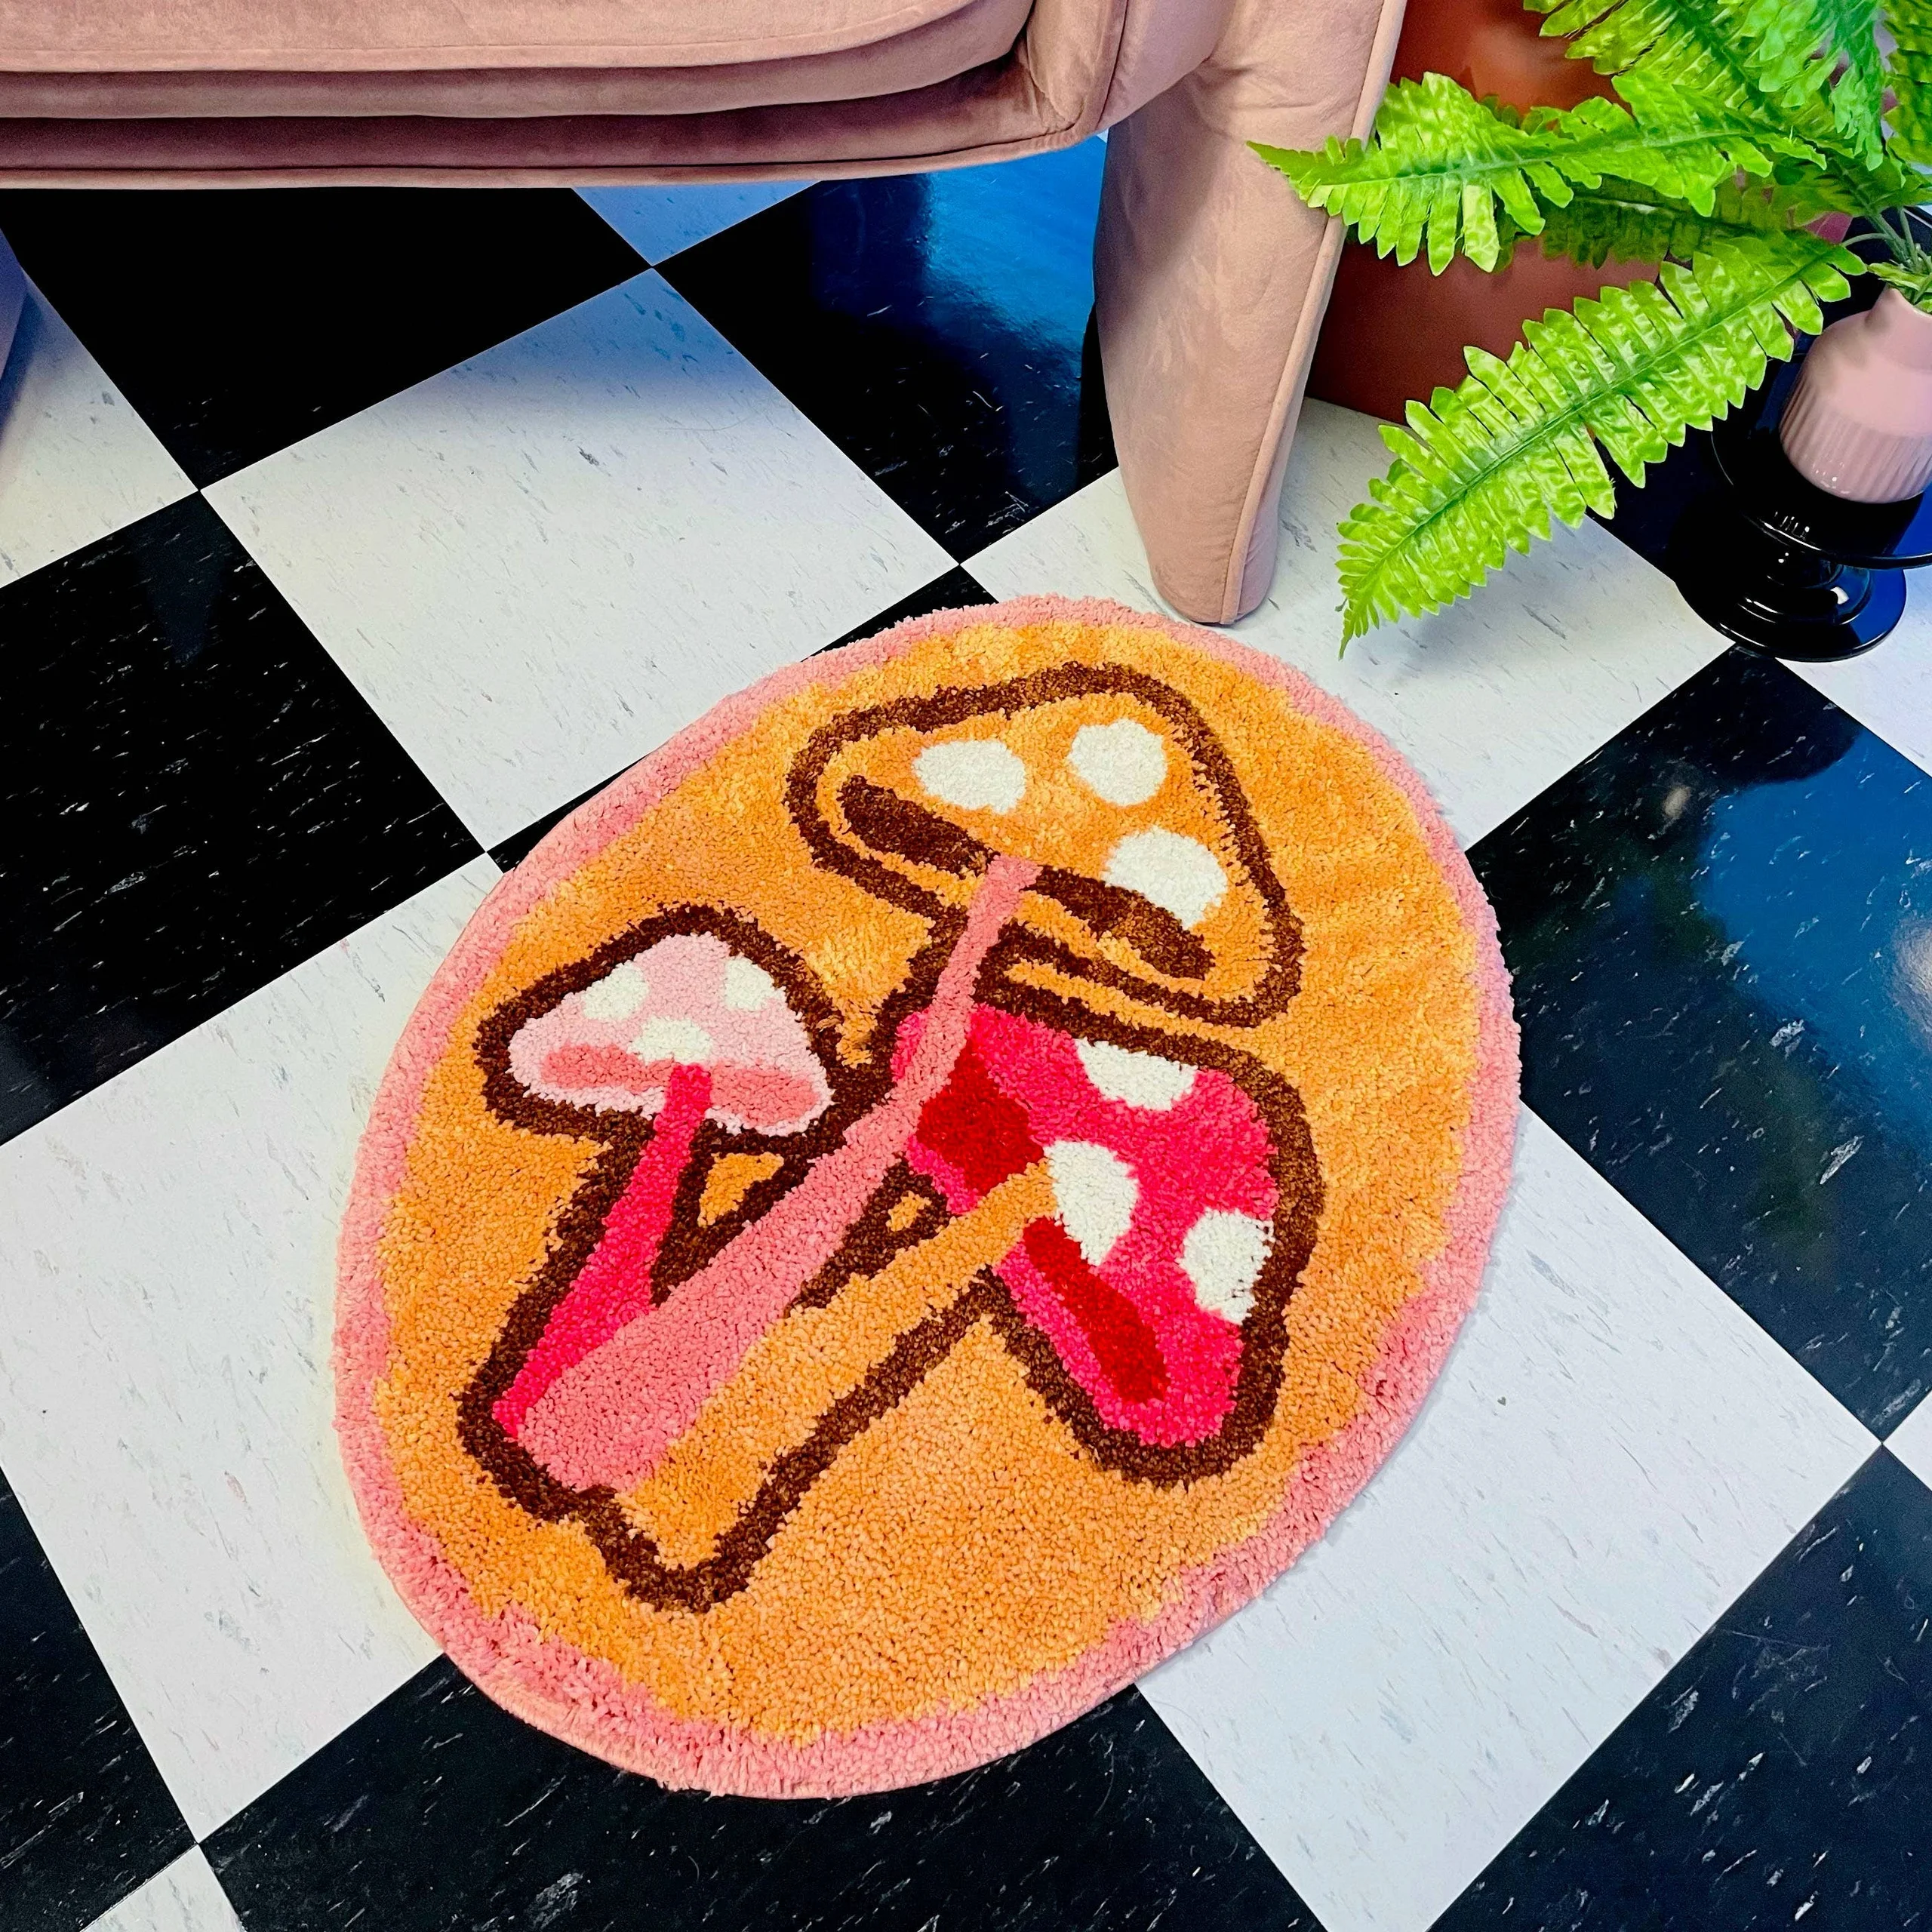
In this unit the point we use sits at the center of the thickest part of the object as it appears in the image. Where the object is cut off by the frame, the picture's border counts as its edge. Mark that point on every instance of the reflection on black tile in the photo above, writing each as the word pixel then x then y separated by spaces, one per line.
pixel 85 1817
pixel 1782 1770
pixel 439 1812
pixel 239 321
pixel 952 591
pixel 1721 930
pixel 195 799
pixel 935 327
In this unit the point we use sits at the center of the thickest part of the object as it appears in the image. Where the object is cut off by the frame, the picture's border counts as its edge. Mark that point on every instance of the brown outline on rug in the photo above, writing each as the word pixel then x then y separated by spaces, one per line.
pixel 631 1556
pixel 1157 936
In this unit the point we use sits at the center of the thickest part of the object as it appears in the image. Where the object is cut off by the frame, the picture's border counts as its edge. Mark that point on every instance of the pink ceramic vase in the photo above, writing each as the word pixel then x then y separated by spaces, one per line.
pixel 1860 423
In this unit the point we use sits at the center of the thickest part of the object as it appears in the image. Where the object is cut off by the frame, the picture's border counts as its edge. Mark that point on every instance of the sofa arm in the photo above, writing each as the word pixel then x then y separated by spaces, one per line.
pixel 1210 277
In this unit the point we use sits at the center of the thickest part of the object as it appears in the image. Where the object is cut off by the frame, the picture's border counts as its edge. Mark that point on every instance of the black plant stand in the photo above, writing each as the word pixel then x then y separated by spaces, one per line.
pixel 1776 563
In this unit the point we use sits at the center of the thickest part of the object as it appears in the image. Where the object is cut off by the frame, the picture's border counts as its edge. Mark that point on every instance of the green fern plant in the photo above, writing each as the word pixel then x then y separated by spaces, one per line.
pixel 1737 124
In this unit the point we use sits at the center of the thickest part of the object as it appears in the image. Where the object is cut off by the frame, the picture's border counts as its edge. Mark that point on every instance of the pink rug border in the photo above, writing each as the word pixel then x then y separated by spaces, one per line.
pixel 583 1700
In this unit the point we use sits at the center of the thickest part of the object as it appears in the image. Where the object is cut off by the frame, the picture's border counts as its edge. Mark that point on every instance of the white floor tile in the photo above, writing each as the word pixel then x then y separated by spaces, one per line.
pixel 167 1260
pixel 185 1897
pixel 1613 1453
pixel 1492 699
pixel 657 222
pixel 75 462
pixel 538 565
pixel 1889 690
pixel 1911 1442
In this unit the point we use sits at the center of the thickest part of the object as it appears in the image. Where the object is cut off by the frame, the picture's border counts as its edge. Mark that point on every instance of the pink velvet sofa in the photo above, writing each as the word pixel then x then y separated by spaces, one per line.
pixel 1210 277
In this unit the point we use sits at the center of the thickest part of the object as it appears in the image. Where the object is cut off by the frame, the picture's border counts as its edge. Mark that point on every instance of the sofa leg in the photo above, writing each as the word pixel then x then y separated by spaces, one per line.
pixel 1210 279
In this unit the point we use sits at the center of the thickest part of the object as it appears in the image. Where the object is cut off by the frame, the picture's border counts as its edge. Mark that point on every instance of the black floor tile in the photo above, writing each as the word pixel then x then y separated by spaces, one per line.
pixel 946 592
pixel 85 1817
pixel 1648 519
pixel 439 1812
pixel 1721 931
pixel 519 845
pixel 237 321
pixel 194 798
pixel 953 590
pixel 935 327
pixel 1781 1775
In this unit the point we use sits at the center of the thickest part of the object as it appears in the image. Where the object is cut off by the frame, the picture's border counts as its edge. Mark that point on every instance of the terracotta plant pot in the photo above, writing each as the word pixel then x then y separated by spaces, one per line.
pixel 1860 423
pixel 1394 332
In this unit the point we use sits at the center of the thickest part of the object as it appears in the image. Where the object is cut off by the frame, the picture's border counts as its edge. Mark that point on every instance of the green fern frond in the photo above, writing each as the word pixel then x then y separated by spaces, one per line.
pixel 1624 221
pixel 1913 280
pixel 1825 49
pixel 1689 44
pixel 1481 469
pixel 1458 173
pixel 1675 121
pixel 1744 54
pixel 1909 71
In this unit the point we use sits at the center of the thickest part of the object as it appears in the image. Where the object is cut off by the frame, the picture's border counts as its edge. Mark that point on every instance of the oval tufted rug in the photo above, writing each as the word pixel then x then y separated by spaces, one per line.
pixel 920 1199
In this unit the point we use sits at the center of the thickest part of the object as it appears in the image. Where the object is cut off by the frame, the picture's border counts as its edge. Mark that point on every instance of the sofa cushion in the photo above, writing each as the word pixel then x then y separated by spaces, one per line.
pixel 357 36
pixel 978 32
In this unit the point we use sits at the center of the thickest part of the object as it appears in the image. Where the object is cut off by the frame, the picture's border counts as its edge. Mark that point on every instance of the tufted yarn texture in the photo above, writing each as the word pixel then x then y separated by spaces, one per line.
pixel 920 1199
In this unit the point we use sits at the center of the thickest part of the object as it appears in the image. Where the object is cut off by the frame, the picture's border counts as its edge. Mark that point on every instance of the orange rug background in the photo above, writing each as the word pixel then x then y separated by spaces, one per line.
pixel 966 1573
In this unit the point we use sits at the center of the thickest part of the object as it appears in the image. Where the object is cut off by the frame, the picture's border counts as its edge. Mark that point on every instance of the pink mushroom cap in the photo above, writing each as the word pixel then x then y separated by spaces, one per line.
pixel 688 1000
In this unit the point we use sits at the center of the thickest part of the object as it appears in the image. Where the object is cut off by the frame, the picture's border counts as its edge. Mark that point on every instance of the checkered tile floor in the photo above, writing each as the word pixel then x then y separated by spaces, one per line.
pixel 345 539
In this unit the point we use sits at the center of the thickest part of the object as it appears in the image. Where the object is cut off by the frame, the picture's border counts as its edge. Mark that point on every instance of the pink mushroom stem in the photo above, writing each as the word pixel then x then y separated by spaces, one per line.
pixel 614 1284
pixel 610 1418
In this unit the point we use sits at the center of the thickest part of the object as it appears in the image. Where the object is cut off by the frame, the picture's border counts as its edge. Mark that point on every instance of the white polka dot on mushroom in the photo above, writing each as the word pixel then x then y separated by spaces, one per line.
pixel 747 987
pixel 1095 1191
pixel 1134 1079
pixel 667 1038
pixel 617 995
pixel 976 775
pixel 1124 762
pixel 1179 874
pixel 1223 1256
